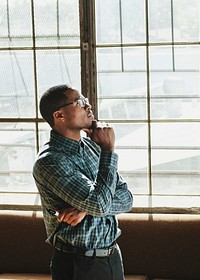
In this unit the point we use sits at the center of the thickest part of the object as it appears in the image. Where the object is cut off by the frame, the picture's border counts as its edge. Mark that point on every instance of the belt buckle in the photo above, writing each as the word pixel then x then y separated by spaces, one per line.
pixel 89 253
pixel 102 252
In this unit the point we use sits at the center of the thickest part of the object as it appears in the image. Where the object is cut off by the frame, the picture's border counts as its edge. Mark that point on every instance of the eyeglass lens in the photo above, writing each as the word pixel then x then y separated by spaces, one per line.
pixel 82 101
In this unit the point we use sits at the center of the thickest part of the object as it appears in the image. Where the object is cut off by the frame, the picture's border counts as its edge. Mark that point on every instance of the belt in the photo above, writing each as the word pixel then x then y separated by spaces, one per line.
pixel 67 248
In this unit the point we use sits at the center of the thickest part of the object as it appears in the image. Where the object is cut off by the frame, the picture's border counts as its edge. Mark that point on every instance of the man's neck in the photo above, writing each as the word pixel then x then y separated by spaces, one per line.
pixel 70 134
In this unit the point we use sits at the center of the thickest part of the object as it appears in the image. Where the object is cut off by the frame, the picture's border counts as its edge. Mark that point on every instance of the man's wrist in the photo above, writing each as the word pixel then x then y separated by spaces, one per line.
pixel 107 148
pixel 109 159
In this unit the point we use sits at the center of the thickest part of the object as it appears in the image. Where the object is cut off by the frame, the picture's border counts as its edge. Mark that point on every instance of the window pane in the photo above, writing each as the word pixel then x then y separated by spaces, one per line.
pixel 176 184
pixel 131 135
pixel 133 21
pixel 122 109
pixel 134 59
pixel 58 67
pixel 133 166
pixel 107 21
pixel 183 84
pixel 160 21
pixel 109 59
pixel 176 94
pixel 175 201
pixel 57 22
pixel 131 145
pixel 186 20
pixel 176 158
pixel 44 133
pixel 122 95
pixel 16 23
pixel 177 17
pixel 20 199
pixel 173 97
pixel 176 108
pixel 176 135
pixel 124 18
pixel 17 89
pixel 161 58
pixel 122 84
pixel 187 57
pixel 17 154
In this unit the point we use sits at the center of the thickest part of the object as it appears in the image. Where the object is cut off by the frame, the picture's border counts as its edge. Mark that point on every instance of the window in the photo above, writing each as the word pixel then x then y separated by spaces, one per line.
pixel 148 86
pixel 40 47
pixel 138 62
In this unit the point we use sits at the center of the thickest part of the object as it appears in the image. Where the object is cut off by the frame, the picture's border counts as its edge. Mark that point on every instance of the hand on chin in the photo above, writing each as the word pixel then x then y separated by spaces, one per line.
pixel 92 125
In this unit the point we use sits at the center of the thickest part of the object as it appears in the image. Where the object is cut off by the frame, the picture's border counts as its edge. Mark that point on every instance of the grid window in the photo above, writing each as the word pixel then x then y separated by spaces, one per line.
pixel 144 79
pixel 40 48
pixel 148 67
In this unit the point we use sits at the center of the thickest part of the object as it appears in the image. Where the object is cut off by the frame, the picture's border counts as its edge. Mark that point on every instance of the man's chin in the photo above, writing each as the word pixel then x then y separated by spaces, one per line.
pixel 87 126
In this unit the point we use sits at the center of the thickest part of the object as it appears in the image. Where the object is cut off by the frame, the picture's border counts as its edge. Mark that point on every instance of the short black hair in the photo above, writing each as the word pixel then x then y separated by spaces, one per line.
pixel 51 99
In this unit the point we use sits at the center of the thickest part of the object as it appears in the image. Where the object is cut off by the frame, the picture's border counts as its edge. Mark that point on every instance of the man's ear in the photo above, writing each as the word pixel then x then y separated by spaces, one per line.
pixel 58 116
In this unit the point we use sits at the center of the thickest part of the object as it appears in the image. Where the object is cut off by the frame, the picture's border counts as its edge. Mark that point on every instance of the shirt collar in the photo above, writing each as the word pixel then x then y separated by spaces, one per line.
pixel 65 144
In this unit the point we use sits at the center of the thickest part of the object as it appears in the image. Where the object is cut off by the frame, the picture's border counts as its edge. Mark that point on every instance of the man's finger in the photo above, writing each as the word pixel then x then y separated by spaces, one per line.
pixel 65 214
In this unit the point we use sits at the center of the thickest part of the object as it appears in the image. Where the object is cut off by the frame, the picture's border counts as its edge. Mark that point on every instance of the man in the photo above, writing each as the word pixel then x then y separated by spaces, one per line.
pixel 77 176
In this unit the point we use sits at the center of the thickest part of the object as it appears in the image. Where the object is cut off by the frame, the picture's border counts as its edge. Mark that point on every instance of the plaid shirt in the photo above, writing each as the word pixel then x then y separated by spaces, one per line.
pixel 80 175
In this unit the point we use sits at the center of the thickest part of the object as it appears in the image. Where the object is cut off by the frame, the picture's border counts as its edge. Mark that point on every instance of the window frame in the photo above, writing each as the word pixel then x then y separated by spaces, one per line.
pixel 88 48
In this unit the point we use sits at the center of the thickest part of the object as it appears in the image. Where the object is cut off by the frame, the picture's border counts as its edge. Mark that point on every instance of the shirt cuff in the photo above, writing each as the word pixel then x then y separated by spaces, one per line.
pixel 109 159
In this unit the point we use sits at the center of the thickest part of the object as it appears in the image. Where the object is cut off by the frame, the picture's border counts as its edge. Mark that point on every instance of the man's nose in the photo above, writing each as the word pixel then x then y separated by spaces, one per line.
pixel 88 106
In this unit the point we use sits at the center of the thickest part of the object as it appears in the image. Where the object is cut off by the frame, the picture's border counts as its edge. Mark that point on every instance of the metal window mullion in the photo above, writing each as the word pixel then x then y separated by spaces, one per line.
pixel 121 35
pixel 88 52
pixel 57 18
pixel 172 28
pixel 35 74
pixel 148 104
pixel 8 19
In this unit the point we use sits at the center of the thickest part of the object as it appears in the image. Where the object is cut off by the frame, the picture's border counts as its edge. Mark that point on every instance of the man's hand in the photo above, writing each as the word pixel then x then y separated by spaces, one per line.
pixel 102 134
pixel 71 216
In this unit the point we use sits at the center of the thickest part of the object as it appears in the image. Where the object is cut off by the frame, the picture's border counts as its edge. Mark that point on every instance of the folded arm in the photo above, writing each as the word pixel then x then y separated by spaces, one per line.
pixel 65 184
pixel 122 202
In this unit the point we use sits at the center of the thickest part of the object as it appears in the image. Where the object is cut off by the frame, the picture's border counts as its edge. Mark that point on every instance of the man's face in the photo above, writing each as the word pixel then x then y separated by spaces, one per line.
pixel 77 117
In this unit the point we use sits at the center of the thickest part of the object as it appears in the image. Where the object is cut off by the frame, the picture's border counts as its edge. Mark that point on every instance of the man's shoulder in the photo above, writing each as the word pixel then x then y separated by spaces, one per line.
pixel 47 150
pixel 52 159
pixel 48 154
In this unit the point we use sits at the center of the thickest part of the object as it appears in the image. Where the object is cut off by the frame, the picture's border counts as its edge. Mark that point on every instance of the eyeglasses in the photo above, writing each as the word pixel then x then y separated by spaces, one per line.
pixel 80 102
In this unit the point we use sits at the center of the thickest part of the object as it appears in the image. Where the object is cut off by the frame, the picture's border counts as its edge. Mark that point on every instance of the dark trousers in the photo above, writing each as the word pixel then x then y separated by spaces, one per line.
pixel 68 266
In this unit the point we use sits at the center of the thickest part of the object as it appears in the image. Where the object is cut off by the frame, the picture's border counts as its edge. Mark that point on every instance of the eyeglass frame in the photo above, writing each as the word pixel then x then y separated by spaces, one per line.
pixel 84 101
